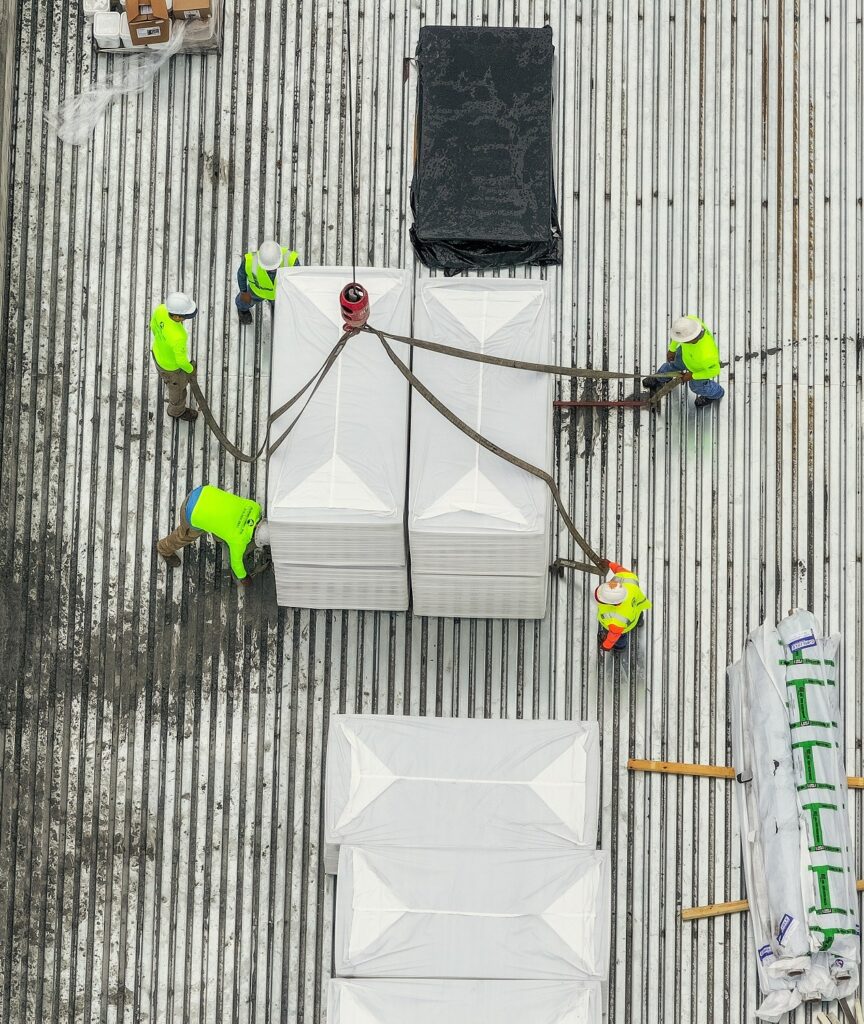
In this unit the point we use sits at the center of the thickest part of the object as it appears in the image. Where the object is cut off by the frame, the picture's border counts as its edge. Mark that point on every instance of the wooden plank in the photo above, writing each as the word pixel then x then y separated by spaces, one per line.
pixel 735 907
pixel 713 771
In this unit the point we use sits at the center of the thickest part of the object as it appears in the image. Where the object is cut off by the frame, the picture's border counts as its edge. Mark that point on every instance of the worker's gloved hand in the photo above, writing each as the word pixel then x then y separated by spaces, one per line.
pixel 246 296
pixel 686 375
pixel 670 357
pixel 245 582
pixel 605 564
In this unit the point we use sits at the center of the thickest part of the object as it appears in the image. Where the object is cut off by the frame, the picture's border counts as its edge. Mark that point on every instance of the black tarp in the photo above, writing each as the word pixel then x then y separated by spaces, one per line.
pixel 483 193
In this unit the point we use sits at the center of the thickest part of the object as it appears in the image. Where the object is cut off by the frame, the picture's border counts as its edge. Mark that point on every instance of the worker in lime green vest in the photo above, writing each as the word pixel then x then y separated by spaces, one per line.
pixel 235 521
pixel 256 276
pixel 620 606
pixel 170 352
pixel 692 352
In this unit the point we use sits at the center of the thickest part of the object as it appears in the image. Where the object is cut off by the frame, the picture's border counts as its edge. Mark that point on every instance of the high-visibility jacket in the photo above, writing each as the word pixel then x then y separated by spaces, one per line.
pixel 169 341
pixel 258 279
pixel 230 518
pixel 619 619
pixel 702 357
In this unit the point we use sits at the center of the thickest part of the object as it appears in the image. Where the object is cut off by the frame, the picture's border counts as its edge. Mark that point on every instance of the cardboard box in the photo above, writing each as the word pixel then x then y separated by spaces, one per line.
pixel 148 22
pixel 191 10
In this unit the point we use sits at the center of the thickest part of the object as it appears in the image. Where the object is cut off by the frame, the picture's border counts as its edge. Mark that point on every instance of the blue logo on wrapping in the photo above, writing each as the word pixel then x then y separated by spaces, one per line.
pixel 765 952
pixel 802 642
pixel 785 921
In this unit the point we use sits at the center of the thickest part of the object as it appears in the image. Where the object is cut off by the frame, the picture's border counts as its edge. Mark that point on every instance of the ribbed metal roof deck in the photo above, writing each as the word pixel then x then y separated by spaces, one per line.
pixel 160 810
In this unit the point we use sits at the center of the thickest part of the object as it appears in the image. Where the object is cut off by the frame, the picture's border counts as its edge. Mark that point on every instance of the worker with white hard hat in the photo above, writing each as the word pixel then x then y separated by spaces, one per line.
pixel 256 276
pixel 620 606
pixel 170 352
pixel 692 352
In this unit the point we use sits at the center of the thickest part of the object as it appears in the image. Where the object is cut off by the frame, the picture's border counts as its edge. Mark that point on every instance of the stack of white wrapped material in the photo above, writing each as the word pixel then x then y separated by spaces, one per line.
pixel 792 798
pixel 480 528
pixel 465 851
pixel 336 487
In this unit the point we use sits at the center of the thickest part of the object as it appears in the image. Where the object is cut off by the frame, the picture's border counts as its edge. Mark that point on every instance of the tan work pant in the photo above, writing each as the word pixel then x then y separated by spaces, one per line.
pixel 182 537
pixel 176 386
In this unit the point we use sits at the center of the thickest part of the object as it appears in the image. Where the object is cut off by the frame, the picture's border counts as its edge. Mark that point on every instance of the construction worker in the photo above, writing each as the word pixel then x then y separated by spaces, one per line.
pixel 170 353
pixel 693 352
pixel 620 605
pixel 256 277
pixel 235 521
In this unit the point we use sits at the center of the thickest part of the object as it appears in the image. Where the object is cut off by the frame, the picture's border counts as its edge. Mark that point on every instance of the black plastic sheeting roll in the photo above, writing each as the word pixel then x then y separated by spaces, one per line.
pixel 483 193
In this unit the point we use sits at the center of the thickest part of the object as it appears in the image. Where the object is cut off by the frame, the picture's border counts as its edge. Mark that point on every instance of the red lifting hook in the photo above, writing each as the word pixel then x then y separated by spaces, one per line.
pixel 354 303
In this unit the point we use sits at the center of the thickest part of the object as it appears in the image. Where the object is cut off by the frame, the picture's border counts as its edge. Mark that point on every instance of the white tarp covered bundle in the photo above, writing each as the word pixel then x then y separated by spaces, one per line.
pixel 428 913
pixel 436 1001
pixel 444 782
pixel 336 487
pixel 792 800
pixel 479 528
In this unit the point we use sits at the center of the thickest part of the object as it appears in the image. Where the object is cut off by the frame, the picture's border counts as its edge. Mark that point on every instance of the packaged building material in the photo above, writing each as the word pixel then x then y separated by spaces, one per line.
pixel 336 486
pixel 483 193
pixel 148 22
pixel 435 913
pixel 480 528
pixel 90 8
pixel 436 1001
pixel 793 804
pixel 191 10
pixel 106 29
pixel 460 782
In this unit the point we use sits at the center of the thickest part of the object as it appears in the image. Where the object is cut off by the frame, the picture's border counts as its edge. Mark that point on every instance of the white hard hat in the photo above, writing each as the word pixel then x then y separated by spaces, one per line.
pixel 610 595
pixel 270 254
pixel 686 328
pixel 180 304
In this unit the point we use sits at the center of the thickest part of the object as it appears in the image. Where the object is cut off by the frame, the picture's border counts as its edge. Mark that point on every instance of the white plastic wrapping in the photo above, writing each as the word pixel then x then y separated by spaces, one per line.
pixel 473 518
pixel 800 884
pixel 336 486
pixel 76 118
pixel 424 913
pixel 436 1001
pixel 450 783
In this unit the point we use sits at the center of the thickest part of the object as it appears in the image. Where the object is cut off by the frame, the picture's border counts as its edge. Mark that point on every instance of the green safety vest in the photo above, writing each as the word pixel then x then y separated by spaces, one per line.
pixel 702 357
pixel 624 616
pixel 230 518
pixel 258 280
pixel 169 341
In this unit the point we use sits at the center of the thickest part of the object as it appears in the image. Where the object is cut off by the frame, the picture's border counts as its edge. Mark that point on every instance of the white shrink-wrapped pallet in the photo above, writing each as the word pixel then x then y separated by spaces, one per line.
pixel 437 1001
pixel 336 486
pixel 433 913
pixel 411 782
pixel 479 528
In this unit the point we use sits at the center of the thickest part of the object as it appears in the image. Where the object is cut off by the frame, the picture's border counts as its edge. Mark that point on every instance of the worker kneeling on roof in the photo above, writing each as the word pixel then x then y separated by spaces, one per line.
pixel 694 353
pixel 256 276
pixel 620 605
pixel 234 520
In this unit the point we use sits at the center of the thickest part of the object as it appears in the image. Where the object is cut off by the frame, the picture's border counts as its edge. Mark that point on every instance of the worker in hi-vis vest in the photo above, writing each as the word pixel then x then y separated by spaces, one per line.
pixel 694 353
pixel 235 521
pixel 256 276
pixel 170 352
pixel 620 605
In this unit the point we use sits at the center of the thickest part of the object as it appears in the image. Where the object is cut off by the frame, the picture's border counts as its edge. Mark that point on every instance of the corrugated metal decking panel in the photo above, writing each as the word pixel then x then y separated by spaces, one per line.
pixel 160 811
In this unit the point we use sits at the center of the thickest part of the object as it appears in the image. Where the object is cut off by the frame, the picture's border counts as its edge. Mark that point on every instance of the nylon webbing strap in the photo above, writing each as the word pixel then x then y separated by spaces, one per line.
pixel 490 446
pixel 314 382
pixel 515 364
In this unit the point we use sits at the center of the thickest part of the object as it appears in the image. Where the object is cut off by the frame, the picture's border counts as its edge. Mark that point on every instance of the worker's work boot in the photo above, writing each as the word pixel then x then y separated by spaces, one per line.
pixel 702 401
pixel 190 415
pixel 652 383
pixel 172 560
pixel 245 317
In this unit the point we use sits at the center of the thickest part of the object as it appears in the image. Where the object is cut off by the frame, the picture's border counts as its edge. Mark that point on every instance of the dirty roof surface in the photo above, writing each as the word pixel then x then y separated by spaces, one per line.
pixel 160 811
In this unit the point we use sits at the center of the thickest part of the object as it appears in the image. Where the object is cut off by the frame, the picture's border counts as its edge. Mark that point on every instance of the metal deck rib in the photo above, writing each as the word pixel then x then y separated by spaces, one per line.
pixel 160 791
